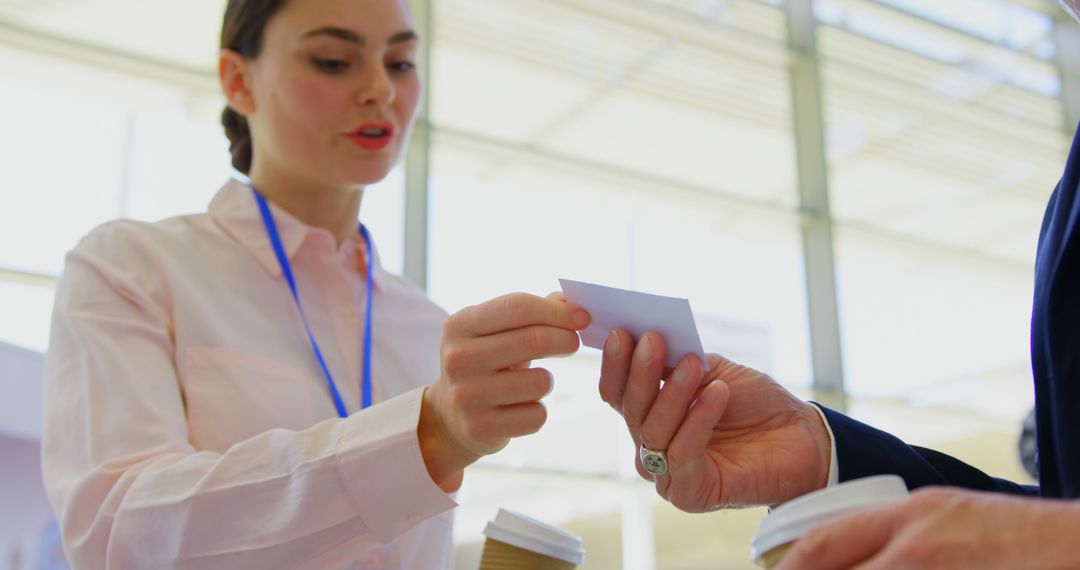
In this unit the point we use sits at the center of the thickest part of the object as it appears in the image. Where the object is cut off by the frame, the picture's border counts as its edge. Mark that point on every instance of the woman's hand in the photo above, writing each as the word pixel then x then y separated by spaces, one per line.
pixel 488 392
pixel 733 436
pixel 946 528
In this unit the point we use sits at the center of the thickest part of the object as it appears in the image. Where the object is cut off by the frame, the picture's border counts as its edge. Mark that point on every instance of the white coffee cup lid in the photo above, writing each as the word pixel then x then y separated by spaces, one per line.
pixel 528 533
pixel 794 518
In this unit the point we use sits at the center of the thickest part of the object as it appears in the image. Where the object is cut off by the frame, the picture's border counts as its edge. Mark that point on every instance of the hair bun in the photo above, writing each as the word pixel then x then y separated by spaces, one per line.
pixel 236 129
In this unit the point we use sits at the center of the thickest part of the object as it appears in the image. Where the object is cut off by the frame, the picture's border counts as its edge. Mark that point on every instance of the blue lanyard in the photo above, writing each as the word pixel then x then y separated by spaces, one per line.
pixel 286 270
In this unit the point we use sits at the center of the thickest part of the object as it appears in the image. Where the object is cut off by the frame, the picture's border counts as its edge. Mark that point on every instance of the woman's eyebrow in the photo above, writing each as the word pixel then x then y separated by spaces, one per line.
pixel 335 32
pixel 353 37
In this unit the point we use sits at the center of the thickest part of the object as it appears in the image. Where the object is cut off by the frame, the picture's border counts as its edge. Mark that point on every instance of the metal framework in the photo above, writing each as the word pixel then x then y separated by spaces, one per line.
pixel 1067 39
pixel 816 218
pixel 807 120
pixel 418 158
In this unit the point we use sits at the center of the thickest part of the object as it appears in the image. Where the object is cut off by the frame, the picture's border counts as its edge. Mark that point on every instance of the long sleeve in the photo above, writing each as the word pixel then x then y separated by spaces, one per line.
pixel 131 491
pixel 863 451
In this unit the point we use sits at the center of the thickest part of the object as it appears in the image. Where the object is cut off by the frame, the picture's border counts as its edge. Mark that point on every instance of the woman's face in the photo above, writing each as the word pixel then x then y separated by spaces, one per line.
pixel 334 91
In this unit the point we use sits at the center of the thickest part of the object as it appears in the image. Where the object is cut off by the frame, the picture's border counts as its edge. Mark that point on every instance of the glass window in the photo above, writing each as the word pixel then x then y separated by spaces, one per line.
pixel 25 309
pixel 637 145
pixel 645 145
pixel 176 165
pixel 71 183
pixel 945 139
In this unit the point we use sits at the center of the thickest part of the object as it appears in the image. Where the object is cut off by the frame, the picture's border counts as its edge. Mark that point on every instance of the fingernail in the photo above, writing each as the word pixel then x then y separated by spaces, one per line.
pixel 644 350
pixel 682 372
pixel 612 346
pixel 708 393
pixel 580 319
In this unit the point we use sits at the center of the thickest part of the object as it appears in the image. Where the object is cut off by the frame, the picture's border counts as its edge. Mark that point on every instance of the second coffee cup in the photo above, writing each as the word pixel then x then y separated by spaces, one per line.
pixel 518 542
pixel 786 524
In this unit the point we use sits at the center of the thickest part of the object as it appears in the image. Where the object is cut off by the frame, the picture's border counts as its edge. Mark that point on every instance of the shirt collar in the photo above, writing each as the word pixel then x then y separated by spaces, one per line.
pixel 235 210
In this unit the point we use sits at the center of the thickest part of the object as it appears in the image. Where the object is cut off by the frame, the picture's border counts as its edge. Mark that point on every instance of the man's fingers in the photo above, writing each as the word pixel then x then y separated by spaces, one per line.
pixel 845 542
pixel 615 367
pixel 637 460
pixel 684 486
pixel 643 382
pixel 516 310
pixel 672 404
pixel 693 436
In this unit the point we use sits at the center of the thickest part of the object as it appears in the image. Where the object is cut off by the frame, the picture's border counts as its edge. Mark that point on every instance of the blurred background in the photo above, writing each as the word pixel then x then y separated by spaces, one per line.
pixel 848 191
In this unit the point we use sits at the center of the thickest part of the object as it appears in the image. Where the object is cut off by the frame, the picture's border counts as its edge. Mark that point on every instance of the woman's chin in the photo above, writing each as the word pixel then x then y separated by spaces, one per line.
pixel 367 174
pixel 365 180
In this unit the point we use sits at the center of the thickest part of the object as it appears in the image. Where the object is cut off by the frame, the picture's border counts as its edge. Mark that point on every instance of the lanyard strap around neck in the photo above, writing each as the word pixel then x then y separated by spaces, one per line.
pixel 286 270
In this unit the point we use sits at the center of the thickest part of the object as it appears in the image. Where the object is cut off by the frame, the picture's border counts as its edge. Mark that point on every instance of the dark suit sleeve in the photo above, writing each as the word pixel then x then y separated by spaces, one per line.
pixel 863 451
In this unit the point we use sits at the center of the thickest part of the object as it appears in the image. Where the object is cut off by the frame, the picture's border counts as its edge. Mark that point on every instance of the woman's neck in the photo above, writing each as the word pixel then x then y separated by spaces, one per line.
pixel 334 209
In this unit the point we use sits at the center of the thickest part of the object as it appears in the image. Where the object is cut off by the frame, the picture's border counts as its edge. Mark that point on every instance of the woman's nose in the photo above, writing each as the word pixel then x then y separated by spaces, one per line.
pixel 376 89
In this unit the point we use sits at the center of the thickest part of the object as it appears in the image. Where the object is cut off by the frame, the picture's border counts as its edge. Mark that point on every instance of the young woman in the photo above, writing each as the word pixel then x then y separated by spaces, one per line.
pixel 248 388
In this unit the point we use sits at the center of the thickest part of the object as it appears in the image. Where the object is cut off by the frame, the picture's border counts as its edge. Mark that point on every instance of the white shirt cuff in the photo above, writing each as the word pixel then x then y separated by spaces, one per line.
pixel 834 466
pixel 380 462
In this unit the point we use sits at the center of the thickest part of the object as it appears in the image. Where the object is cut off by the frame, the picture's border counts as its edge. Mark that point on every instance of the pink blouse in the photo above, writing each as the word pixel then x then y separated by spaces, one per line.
pixel 188 424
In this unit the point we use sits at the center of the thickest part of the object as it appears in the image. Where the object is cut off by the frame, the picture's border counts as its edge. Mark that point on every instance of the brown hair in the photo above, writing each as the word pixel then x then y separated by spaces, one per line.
pixel 242 32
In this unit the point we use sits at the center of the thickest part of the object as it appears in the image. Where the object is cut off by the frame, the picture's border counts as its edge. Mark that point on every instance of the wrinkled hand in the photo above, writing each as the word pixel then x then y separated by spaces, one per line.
pixel 734 437
pixel 488 392
pixel 945 528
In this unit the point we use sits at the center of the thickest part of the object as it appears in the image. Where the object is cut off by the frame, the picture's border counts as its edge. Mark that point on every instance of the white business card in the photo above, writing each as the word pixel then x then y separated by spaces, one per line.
pixel 638 313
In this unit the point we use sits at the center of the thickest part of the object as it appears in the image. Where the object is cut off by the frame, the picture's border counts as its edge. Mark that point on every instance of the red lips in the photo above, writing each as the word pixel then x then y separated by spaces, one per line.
pixel 375 135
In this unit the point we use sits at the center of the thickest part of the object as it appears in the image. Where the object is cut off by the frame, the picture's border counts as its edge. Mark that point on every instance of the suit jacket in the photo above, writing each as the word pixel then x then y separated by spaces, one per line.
pixel 1055 355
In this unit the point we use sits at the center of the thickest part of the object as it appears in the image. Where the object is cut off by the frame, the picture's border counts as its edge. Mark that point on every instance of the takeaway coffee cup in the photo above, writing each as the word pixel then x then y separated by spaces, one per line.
pixel 782 528
pixel 519 542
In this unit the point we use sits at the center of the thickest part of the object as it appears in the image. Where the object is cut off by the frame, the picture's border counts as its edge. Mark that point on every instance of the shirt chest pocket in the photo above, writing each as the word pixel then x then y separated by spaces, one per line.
pixel 232 395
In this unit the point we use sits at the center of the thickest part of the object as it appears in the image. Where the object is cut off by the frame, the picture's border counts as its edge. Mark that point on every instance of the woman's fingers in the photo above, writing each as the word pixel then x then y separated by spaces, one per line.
pixel 479 357
pixel 517 386
pixel 514 311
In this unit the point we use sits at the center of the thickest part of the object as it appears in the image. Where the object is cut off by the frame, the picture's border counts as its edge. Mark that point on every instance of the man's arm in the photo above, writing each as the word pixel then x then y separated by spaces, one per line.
pixel 863 451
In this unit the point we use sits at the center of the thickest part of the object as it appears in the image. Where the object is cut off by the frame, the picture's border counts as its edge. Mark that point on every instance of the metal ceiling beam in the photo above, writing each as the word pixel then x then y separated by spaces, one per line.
pixel 813 184
pixel 875 84
pixel 199 81
pixel 603 92
pixel 961 31
pixel 418 157
pixel 1067 37
pixel 744 110
pixel 713 198
pixel 668 21
pixel 8 275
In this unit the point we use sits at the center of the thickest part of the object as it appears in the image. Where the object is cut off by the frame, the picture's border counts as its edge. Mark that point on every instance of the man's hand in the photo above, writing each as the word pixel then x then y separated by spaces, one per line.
pixel 734 437
pixel 943 528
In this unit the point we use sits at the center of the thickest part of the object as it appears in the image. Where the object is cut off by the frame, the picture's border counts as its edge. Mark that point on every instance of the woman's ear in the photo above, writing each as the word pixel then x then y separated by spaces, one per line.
pixel 234 72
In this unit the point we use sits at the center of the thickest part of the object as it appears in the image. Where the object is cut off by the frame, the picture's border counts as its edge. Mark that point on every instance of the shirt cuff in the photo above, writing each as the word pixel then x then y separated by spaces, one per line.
pixel 381 466
pixel 834 465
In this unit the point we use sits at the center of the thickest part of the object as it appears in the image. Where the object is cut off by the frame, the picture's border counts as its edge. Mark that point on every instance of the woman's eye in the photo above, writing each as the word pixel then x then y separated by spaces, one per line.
pixel 402 66
pixel 330 65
